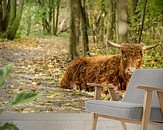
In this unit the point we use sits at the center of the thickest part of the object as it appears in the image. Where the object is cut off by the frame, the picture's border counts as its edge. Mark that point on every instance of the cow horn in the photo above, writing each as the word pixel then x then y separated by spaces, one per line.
pixel 114 44
pixel 150 47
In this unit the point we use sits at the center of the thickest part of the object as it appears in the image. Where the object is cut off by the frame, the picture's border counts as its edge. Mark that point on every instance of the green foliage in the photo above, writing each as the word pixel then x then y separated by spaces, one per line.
pixel 3 74
pixel 18 99
pixel 24 97
pixel 159 4
pixel 63 34
pixel 32 14
pixel 8 126
pixel 152 59
pixel 47 3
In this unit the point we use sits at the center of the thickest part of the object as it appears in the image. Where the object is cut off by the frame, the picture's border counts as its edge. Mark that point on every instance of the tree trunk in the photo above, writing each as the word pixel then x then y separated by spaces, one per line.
pixel 74 28
pixel 44 21
pixel 12 29
pixel 29 17
pixel 133 21
pixel 29 24
pixel 54 22
pixel 84 28
pixel 1 16
pixel 142 22
pixel 122 17
pixel 49 30
pixel 91 21
pixel 55 18
pixel 6 14
pixel 101 27
pixel 12 13
pixel 162 18
pixel 112 16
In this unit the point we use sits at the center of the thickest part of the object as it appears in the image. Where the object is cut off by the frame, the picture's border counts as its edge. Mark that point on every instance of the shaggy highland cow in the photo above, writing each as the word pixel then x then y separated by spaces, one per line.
pixel 115 69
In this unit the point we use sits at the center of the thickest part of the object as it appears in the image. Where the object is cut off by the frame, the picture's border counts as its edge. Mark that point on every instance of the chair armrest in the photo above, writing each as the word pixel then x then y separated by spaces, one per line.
pixel 98 90
pixel 149 88
pixel 148 96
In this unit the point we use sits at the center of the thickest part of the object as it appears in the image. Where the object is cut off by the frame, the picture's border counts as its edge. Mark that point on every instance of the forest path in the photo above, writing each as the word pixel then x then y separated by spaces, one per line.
pixel 38 65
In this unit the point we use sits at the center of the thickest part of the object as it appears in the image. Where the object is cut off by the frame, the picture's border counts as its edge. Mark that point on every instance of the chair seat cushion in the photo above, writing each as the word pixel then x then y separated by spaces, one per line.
pixel 121 109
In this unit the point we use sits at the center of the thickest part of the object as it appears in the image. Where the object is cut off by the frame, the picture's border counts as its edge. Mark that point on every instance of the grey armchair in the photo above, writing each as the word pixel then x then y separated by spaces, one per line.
pixel 142 103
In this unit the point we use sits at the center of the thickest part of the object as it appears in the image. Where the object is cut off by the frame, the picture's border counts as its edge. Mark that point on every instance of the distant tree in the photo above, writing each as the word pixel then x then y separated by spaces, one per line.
pixel 112 18
pixel 74 28
pixel 14 20
pixel 50 15
pixel 142 21
pixel 4 16
pixel 84 27
pixel 1 15
pixel 56 16
pixel 10 11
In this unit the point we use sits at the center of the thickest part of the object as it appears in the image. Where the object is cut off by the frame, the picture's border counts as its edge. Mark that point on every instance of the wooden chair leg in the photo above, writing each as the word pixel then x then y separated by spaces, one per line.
pixel 146 110
pixel 94 121
pixel 124 125
pixel 160 98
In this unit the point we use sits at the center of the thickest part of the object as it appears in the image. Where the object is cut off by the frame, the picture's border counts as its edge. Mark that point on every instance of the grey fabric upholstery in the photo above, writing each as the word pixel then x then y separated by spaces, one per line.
pixel 143 77
pixel 132 105
pixel 120 109
pixel 116 109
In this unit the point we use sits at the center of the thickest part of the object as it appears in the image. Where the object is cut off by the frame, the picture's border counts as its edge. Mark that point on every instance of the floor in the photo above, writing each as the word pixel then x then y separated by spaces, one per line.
pixel 57 121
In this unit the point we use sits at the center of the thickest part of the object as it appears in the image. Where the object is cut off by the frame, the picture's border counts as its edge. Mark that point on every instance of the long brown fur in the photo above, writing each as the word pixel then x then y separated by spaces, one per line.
pixel 105 69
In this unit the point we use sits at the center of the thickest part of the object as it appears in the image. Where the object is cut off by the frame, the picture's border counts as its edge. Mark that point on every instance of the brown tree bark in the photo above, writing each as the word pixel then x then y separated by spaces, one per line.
pixel 84 28
pixel 4 16
pixel 1 16
pixel 133 21
pixel 13 25
pixel 74 28
pixel 112 18
pixel 91 19
pixel 142 21
pixel 55 18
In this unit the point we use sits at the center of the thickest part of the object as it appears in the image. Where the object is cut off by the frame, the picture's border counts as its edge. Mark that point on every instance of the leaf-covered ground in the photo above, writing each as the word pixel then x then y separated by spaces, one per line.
pixel 38 65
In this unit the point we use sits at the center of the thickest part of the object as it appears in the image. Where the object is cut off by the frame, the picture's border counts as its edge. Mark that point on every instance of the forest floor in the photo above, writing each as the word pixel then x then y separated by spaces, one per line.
pixel 38 66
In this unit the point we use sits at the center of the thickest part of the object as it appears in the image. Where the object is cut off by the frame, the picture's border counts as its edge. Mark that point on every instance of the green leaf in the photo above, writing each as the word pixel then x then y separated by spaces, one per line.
pixel 1 110
pixel 3 73
pixel 8 126
pixel 24 97
pixel 2 78
pixel 8 68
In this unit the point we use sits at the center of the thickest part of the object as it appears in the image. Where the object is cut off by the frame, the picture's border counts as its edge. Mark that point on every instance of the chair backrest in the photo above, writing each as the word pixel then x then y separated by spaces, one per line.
pixel 143 77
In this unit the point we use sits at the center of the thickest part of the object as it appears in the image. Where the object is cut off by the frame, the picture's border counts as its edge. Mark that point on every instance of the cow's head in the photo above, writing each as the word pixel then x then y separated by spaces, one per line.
pixel 131 55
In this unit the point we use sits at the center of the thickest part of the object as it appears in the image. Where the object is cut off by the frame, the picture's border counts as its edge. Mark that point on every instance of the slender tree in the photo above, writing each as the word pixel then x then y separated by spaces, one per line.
pixel 112 18
pixel 14 20
pixel 4 16
pixel 142 21
pixel 56 16
pixel 84 27
pixel 1 15
pixel 74 28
